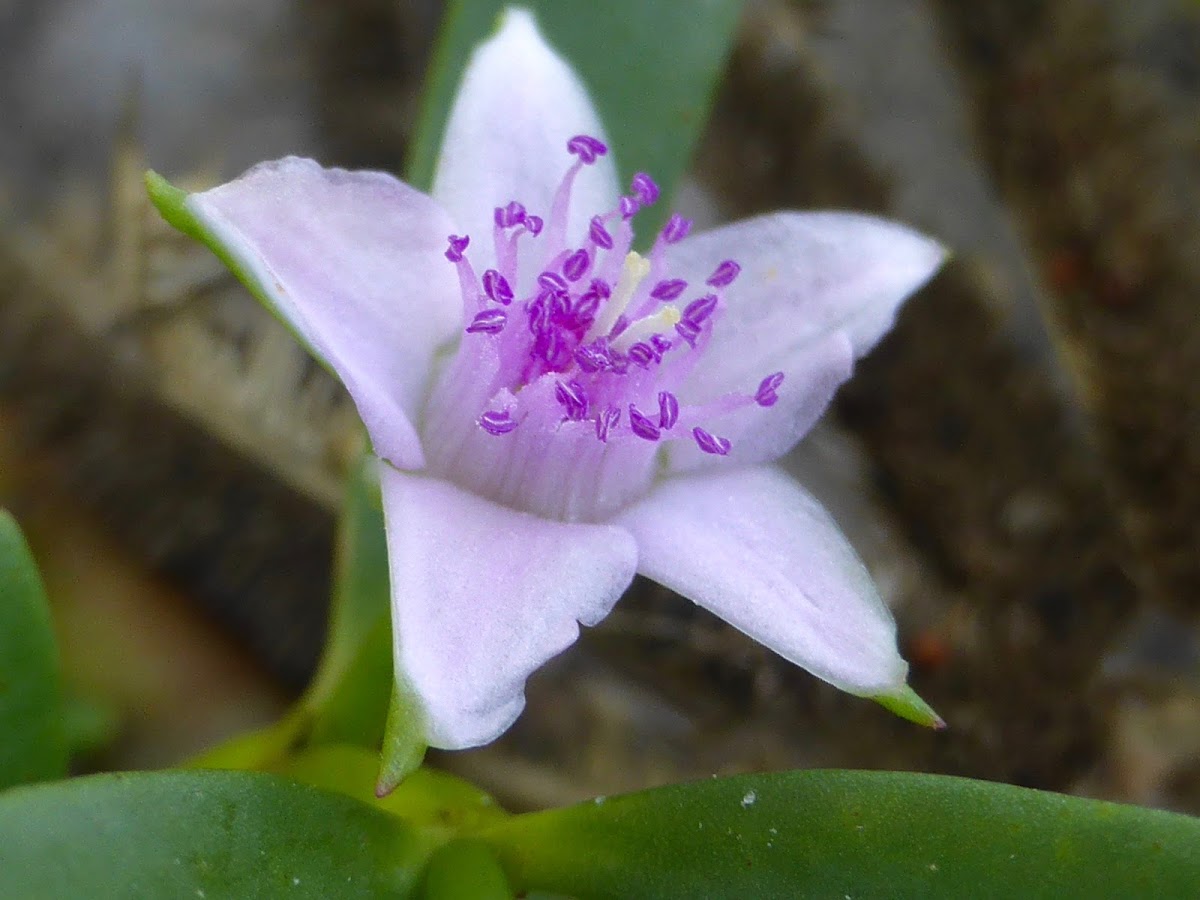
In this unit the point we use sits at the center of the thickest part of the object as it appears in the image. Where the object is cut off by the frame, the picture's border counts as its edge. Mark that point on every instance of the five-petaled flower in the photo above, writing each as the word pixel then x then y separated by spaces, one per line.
pixel 557 412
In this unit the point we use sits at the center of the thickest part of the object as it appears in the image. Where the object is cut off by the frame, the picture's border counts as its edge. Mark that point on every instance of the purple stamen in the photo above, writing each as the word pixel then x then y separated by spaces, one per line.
pixel 654 349
pixel 576 264
pixel 490 321
pixel 669 289
pixel 642 426
pixel 508 216
pixel 587 148
pixel 645 188
pixel 551 281
pixel 594 357
pixel 584 313
pixel 717 446
pixel 497 288
pixel 571 395
pixel 724 274
pixel 688 330
pixel 605 421
pixel 668 410
pixel 458 244
pixel 599 234
pixel 676 229
pixel 700 309
pixel 765 395
pixel 565 305
pixel 497 423
pixel 642 354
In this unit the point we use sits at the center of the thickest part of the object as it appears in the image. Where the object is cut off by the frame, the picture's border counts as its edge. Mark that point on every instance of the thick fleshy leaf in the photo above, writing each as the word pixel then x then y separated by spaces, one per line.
pixel 33 742
pixel 518 105
pixel 483 595
pixel 427 798
pixel 759 551
pixel 804 276
pixel 201 834
pixel 650 69
pixel 352 262
pixel 762 434
pixel 465 869
pixel 348 699
pixel 850 834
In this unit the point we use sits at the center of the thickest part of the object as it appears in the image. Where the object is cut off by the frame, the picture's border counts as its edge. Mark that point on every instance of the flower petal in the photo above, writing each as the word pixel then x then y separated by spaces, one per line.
pixel 482 595
pixel 757 550
pixel 804 275
pixel 506 139
pixel 353 262
pixel 762 434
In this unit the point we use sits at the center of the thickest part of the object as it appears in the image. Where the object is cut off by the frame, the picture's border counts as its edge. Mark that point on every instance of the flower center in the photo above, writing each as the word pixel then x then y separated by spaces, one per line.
pixel 565 384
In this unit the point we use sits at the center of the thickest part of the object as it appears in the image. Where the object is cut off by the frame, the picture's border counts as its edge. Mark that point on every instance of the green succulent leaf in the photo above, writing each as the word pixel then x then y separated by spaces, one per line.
pixel 348 700
pixel 33 738
pixel 349 695
pixel 465 870
pixel 850 834
pixel 202 834
pixel 427 798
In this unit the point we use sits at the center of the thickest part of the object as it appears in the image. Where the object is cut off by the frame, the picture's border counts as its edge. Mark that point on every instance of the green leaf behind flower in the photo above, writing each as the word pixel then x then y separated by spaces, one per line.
pixel 651 69
pixel 202 834
pixel 348 700
pixel 33 741
pixel 851 834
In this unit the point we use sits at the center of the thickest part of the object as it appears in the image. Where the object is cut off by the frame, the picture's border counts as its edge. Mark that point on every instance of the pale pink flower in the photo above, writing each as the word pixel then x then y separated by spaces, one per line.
pixel 556 413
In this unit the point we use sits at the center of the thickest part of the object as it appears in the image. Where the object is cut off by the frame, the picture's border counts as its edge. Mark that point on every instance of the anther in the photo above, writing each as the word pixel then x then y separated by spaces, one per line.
pixel 724 274
pixel 717 446
pixel 594 357
pixel 605 421
pixel 497 423
pixel 497 288
pixel 490 321
pixel 458 244
pixel 642 354
pixel 765 395
pixel 576 264
pixel 688 330
pixel 700 309
pixel 642 426
pixel 587 148
pixel 676 229
pixel 669 289
pixel 551 281
pixel 599 234
pixel 668 410
pixel 508 216
pixel 571 395
pixel 645 189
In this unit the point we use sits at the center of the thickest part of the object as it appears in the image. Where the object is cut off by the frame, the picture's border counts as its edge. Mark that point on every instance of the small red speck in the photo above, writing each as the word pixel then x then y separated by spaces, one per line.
pixel 928 651
pixel 1064 271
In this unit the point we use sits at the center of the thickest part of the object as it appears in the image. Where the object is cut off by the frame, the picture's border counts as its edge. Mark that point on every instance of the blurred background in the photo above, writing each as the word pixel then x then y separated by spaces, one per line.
pixel 1018 463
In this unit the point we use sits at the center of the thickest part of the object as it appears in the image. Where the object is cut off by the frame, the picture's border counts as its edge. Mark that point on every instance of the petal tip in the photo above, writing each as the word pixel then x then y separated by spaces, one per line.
pixel 404 741
pixel 516 17
pixel 907 704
